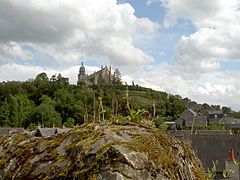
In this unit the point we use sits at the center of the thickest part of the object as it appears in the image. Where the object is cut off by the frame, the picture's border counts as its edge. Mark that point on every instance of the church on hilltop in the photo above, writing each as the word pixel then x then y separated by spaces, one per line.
pixel 103 76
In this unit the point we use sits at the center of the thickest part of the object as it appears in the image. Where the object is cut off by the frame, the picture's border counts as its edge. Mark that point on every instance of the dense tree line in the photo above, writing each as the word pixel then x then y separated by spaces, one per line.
pixel 55 101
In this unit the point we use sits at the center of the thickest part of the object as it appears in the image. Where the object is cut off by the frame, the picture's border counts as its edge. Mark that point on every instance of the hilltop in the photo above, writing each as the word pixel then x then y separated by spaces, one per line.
pixel 49 101
pixel 55 101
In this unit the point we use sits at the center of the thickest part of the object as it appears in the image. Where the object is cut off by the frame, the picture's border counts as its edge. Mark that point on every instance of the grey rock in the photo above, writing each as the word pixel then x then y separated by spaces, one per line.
pixel 136 159
pixel 61 148
pixel 38 157
pixel 114 152
pixel 42 167
pixel 42 145
pixel 112 176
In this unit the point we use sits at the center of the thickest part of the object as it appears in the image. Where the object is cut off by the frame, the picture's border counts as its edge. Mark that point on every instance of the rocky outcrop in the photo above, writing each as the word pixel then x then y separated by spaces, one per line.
pixel 99 151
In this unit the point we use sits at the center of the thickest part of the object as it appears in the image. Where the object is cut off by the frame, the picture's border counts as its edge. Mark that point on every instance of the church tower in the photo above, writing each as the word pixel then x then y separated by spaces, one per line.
pixel 82 73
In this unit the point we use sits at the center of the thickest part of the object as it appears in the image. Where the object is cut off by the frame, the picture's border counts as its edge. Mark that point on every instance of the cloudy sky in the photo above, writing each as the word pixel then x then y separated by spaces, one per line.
pixel 185 47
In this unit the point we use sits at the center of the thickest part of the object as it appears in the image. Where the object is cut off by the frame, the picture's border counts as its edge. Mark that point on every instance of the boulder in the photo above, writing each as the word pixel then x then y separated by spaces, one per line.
pixel 103 151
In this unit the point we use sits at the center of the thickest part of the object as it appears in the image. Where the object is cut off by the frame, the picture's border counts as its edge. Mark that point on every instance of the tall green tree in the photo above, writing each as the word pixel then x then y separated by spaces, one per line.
pixel 64 100
pixel 46 114
pixel 15 110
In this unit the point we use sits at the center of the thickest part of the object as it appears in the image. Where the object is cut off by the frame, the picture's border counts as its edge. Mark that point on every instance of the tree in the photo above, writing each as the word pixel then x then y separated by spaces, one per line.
pixel 64 100
pixel 226 110
pixel 117 77
pixel 85 96
pixel 41 77
pixel 45 113
pixel 15 110
pixel 43 87
pixel 69 123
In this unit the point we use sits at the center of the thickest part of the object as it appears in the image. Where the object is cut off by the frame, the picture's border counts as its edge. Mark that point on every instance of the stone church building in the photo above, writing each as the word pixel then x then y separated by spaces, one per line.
pixel 103 76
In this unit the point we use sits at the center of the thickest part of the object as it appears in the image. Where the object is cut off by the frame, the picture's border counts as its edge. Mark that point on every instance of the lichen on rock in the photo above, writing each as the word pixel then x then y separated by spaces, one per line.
pixel 99 151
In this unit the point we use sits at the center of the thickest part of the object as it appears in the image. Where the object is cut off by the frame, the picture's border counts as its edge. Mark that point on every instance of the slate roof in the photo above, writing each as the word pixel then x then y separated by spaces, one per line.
pixel 50 131
pixel 8 131
pixel 215 112
pixel 215 148
pixel 45 132
pixel 4 132
pixel 63 130
pixel 192 111
pixel 229 120
pixel 187 118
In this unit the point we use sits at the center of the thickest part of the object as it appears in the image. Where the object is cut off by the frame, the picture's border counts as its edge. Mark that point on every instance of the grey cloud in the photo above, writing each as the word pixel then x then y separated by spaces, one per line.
pixel 68 30
pixel 25 24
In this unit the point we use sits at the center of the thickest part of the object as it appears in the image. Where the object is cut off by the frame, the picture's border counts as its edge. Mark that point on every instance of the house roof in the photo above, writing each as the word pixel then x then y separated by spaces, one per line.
pixel 229 120
pixel 215 148
pixel 63 130
pixel 7 131
pixel 4 132
pixel 50 131
pixel 192 111
pixel 215 112
pixel 45 132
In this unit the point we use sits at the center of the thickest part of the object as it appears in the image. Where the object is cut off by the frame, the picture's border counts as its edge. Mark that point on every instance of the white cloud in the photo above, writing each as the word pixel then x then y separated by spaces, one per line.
pixel 216 37
pixel 149 2
pixel 196 71
pixel 67 30
pixel 13 50
pixel 219 88
pixel 64 31
pixel 146 25
pixel 17 72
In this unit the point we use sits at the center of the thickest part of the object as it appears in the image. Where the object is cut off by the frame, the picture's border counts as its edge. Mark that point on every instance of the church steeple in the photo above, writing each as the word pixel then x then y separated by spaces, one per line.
pixel 82 73
pixel 82 70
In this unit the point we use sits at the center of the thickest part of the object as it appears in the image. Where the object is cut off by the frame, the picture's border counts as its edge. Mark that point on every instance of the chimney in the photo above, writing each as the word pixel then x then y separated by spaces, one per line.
pixel 231 155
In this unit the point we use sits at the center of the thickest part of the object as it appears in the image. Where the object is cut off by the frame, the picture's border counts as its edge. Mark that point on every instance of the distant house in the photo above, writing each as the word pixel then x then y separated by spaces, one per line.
pixel 214 116
pixel 45 132
pixel 191 118
pixel 10 131
pixel 232 123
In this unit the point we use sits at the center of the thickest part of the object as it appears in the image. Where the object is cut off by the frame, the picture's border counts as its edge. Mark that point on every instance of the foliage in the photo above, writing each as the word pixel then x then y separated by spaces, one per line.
pixel 136 116
pixel 226 174
pixel 69 123
pixel 54 101
pixel 159 123
pixel 226 110
pixel 212 171
pixel 32 127
pixel 45 113
pixel 212 127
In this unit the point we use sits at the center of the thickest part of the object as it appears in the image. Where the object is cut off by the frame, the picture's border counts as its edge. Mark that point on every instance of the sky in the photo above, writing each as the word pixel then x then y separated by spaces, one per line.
pixel 183 47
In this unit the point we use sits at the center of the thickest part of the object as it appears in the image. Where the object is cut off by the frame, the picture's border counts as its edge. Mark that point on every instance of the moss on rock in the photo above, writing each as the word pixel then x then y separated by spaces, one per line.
pixel 91 151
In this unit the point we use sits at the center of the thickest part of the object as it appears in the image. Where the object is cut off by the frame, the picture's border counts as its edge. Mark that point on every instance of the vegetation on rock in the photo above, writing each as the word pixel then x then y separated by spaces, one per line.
pixel 97 151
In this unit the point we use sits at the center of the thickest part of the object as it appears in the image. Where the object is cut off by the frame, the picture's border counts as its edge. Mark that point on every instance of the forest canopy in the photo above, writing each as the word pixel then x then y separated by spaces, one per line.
pixel 53 101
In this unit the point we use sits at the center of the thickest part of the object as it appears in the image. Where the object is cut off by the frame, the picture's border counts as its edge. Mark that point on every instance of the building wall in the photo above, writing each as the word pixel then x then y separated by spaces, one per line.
pixel 103 76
